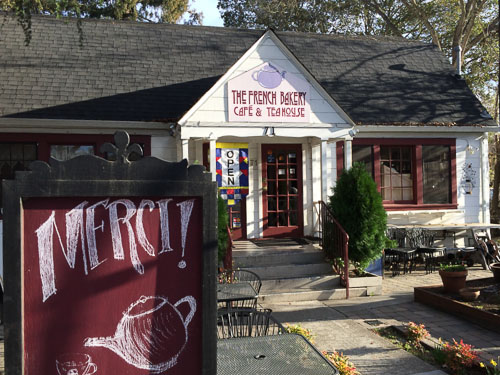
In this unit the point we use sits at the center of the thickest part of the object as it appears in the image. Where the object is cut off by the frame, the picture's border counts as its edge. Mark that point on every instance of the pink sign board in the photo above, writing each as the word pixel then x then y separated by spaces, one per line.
pixel 268 93
pixel 113 286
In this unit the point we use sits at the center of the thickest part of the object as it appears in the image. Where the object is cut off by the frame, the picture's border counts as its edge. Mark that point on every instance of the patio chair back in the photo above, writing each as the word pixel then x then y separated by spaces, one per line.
pixel 241 276
pixel 247 323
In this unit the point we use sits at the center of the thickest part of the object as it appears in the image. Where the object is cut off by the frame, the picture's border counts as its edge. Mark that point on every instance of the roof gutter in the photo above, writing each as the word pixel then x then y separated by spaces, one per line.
pixel 363 129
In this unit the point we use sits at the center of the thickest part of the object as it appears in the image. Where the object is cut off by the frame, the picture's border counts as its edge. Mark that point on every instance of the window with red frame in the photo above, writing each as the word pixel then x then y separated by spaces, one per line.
pixel 417 173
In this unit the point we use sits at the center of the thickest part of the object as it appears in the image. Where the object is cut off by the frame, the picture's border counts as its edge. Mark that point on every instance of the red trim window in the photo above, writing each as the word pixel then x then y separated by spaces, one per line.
pixel 410 173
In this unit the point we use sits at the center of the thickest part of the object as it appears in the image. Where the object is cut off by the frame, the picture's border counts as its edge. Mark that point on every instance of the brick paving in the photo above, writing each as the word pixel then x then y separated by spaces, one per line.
pixel 343 325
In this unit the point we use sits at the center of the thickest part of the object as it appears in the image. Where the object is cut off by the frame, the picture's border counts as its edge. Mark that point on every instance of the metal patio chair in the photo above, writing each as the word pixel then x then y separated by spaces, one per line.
pixel 247 323
pixel 241 289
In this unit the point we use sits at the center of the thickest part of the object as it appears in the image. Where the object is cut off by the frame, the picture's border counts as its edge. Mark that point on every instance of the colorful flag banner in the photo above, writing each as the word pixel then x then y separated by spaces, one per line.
pixel 232 171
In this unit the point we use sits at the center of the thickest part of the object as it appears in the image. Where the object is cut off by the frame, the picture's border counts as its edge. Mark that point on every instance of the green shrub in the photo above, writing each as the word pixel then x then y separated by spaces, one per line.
pixel 222 236
pixel 357 205
pixel 452 267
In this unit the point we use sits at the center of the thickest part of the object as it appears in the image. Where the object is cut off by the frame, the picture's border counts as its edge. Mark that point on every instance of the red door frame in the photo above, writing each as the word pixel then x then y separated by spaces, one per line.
pixel 284 231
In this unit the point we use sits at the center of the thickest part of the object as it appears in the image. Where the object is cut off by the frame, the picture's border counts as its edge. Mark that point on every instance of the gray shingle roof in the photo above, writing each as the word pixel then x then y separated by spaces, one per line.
pixel 156 72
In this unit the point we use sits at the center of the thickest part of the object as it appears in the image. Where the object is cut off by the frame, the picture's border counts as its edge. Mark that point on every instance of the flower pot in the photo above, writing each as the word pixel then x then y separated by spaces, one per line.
pixel 469 294
pixel 495 268
pixel 453 281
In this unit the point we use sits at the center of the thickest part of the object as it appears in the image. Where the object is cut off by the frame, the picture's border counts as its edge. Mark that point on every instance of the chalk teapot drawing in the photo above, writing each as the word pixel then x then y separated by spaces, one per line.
pixel 269 76
pixel 151 334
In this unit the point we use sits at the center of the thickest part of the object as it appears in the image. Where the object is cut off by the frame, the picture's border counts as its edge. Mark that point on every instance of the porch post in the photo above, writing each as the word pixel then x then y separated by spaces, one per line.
pixel 213 169
pixel 185 149
pixel 324 170
pixel 348 154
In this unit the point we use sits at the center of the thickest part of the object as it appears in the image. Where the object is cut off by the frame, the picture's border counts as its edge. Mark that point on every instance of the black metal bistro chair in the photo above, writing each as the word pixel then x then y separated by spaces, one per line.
pixel 247 323
pixel 238 289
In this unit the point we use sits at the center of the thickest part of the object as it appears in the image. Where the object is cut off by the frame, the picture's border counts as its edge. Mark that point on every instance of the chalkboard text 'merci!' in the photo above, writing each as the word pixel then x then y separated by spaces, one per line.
pixel 81 229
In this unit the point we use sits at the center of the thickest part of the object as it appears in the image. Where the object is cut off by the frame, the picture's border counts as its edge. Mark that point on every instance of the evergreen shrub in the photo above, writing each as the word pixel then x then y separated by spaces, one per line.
pixel 357 205
pixel 222 222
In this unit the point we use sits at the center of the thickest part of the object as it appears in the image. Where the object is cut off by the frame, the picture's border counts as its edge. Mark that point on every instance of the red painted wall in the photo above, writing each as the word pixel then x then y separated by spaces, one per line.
pixel 130 302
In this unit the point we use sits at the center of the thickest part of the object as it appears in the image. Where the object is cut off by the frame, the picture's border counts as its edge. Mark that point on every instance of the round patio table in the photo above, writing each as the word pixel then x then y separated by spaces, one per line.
pixel 287 354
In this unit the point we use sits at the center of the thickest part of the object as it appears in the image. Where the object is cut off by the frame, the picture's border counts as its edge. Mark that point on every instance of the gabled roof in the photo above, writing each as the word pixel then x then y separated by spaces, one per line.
pixel 130 71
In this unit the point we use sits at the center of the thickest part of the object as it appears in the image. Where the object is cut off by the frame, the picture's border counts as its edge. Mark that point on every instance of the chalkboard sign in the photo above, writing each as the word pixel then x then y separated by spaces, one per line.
pixel 110 275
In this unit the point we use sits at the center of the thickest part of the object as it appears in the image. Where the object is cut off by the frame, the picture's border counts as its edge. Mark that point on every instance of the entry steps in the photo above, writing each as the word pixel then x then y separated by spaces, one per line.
pixel 291 270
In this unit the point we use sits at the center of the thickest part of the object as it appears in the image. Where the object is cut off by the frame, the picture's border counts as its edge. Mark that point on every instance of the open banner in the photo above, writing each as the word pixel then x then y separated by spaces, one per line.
pixel 232 171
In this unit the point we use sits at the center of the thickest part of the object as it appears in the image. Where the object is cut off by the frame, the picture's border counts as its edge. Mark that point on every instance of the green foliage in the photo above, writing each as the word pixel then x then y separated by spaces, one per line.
pixel 472 24
pixel 170 11
pixel 298 329
pixel 452 267
pixel 458 357
pixel 357 205
pixel 222 222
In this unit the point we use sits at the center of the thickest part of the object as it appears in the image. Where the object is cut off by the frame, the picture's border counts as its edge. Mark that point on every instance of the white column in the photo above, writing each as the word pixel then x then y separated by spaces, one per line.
pixel 259 210
pixel 485 186
pixel 199 151
pixel 317 185
pixel 324 170
pixel 185 149
pixel 348 154
pixel 212 159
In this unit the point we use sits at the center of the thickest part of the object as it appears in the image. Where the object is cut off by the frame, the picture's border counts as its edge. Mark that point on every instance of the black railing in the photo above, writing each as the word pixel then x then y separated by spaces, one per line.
pixel 335 243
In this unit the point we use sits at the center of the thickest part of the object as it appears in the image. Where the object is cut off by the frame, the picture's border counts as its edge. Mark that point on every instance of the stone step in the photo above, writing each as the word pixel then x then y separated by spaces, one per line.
pixel 301 284
pixel 311 295
pixel 288 271
pixel 277 258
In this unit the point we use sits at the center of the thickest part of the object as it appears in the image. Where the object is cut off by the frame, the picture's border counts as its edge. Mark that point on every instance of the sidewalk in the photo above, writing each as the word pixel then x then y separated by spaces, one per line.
pixel 345 325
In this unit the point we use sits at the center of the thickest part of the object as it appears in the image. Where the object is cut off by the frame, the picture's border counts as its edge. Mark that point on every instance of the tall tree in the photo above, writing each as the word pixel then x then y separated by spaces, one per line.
pixel 170 11
pixel 471 24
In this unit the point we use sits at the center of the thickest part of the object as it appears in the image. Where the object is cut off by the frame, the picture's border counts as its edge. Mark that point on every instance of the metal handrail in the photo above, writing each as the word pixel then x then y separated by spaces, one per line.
pixel 334 242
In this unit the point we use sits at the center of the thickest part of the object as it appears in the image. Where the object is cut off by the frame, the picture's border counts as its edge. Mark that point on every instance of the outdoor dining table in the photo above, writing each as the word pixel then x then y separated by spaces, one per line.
pixel 232 292
pixel 286 354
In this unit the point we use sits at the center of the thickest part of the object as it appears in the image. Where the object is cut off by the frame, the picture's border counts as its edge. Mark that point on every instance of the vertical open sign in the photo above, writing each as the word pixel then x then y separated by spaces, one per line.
pixel 111 268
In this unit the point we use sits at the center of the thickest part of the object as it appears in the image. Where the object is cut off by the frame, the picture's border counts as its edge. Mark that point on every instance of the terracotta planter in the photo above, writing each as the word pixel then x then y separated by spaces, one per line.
pixel 495 268
pixel 453 281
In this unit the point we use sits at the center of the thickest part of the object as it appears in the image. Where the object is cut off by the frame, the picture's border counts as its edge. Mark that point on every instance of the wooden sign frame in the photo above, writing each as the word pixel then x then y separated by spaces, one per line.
pixel 92 176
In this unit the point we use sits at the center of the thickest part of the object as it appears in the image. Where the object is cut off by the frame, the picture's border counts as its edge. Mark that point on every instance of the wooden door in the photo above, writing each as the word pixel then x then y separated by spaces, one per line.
pixel 282 190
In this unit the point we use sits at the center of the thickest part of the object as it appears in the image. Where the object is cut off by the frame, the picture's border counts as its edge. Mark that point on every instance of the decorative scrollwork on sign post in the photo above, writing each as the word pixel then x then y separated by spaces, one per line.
pixel 122 150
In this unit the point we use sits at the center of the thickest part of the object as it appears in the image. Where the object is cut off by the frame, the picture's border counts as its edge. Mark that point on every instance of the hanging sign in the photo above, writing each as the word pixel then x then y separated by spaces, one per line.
pixel 268 93
pixel 232 171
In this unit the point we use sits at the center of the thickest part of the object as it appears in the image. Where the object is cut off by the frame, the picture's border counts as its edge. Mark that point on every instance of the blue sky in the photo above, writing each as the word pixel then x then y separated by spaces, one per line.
pixel 211 16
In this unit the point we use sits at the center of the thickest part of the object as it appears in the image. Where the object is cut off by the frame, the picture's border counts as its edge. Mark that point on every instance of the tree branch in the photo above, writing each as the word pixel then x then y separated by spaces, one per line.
pixel 374 5
pixel 415 9
pixel 491 29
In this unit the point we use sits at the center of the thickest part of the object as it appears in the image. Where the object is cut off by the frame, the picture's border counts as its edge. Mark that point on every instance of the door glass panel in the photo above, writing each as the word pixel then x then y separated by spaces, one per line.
pixel 396 181
pixel 406 180
pixel 271 187
pixel 384 153
pixel 293 187
pixel 4 151
pixel 397 194
pixel 407 194
pixel 281 158
pixel 271 171
pixel 293 218
pixel 272 219
pixel 292 172
pixel 292 203
pixel 271 204
pixel 282 173
pixel 283 219
pixel 395 167
pixel 395 153
pixel 282 187
pixel 282 203
pixel 292 157
pixel 270 157
pixel 386 194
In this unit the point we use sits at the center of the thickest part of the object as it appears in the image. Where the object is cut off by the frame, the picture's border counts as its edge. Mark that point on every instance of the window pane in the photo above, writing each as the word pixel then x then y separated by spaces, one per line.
pixel 282 203
pixel 384 153
pixel 436 174
pixel 363 154
pixel 271 171
pixel 396 173
pixel 293 187
pixel 272 219
pixel 283 219
pixel 282 187
pixel 293 203
pixel 271 187
pixel 282 173
pixel 293 218
pixel 66 152
pixel 4 151
pixel 271 204
pixel 292 172
pixel 29 152
pixel 292 157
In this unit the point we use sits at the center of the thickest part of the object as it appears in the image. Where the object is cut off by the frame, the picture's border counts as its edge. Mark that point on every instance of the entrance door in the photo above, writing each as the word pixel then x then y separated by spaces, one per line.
pixel 237 220
pixel 282 190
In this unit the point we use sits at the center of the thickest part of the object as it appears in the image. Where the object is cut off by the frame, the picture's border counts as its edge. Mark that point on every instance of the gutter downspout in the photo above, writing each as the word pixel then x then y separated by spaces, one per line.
pixel 485 187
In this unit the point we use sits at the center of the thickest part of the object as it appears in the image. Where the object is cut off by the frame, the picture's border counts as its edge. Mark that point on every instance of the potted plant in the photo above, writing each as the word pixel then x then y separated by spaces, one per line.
pixel 453 277
pixel 495 268
pixel 357 206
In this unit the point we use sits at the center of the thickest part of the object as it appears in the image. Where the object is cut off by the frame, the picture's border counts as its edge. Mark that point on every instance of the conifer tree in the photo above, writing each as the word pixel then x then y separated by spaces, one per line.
pixel 357 205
